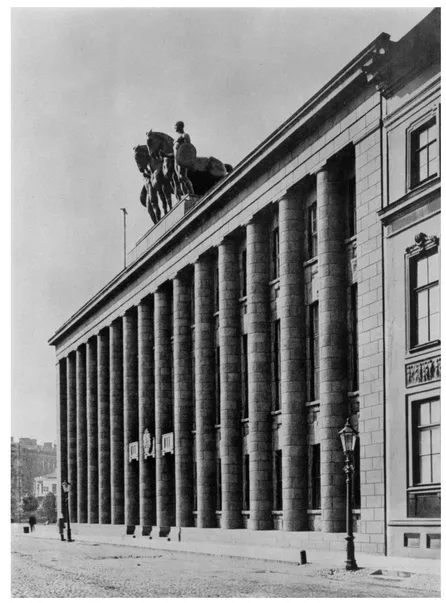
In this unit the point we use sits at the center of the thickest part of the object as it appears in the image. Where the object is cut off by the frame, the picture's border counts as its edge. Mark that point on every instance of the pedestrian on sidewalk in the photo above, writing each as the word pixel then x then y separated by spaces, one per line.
pixel 32 522
pixel 61 523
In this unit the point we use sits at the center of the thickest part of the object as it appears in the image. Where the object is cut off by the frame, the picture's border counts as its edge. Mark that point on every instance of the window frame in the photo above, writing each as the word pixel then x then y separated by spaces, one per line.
pixel 314 353
pixel 312 239
pixel 415 487
pixel 412 130
pixel 423 248
pixel 275 254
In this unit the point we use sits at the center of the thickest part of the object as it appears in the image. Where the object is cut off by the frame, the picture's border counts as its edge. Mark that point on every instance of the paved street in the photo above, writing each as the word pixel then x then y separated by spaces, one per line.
pixel 50 568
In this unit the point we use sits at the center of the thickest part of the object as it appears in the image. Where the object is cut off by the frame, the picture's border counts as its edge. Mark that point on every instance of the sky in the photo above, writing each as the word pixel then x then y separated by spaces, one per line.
pixel 86 84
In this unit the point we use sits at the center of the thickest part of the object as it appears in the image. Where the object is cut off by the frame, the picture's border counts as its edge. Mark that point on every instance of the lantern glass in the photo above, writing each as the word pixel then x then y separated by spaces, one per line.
pixel 348 437
pixel 66 486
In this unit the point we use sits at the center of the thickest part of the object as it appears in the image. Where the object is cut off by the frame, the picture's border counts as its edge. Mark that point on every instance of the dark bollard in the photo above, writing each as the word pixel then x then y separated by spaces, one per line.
pixel 303 557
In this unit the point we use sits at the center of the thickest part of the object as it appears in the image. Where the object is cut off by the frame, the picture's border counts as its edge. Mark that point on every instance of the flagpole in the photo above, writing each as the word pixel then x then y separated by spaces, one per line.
pixel 124 211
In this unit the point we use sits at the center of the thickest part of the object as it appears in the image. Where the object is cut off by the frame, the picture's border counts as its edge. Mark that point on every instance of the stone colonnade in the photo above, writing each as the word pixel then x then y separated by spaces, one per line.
pixel 133 382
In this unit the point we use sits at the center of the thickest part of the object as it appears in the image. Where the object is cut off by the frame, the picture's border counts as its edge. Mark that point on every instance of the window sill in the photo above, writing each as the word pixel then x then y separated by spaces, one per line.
pixel 350 240
pixel 276 413
pixel 435 487
pixel 245 513
pixel 312 403
pixel 415 521
pixel 275 281
pixel 277 513
pixel 244 420
pixel 423 347
pixel 310 262
pixel 413 187
pixel 243 299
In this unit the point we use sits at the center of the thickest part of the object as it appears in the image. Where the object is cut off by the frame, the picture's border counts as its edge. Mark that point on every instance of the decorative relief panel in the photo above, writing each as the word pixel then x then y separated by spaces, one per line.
pixel 423 371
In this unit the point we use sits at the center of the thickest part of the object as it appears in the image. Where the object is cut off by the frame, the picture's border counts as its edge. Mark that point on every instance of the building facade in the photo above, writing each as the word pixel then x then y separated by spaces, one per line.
pixel 28 460
pixel 206 385
pixel 44 484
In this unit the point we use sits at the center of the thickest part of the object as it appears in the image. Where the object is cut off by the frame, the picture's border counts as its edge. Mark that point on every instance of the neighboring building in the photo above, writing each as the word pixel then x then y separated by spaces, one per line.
pixel 29 460
pixel 207 383
pixel 410 83
pixel 45 484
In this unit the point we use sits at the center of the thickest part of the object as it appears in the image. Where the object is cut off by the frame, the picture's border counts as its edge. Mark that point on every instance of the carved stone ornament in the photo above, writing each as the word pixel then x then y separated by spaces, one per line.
pixel 148 444
pixel 422 242
pixel 423 371
pixel 133 451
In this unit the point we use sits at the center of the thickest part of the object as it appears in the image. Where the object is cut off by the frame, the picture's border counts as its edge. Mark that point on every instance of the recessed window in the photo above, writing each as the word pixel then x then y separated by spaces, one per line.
pixel 423 152
pixel 278 499
pixel 427 442
pixel 314 351
pixel 353 332
pixel 243 273
pixel 276 366
pixel 245 405
pixel 246 483
pixel 351 206
pixel 425 445
pixel 316 476
pixel 218 502
pixel 312 231
pixel 275 256
pixel 424 298
pixel 216 288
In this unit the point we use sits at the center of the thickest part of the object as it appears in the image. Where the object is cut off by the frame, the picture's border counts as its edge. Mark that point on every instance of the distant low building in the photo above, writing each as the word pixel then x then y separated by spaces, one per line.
pixel 45 484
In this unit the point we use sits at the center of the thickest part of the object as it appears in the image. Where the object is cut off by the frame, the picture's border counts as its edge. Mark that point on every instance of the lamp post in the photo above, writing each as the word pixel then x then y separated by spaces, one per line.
pixel 66 489
pixel 348 437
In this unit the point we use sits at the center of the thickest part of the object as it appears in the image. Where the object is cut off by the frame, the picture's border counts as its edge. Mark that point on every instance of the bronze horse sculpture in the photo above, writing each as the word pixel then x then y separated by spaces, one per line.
pixel 204 173
pixel 157 188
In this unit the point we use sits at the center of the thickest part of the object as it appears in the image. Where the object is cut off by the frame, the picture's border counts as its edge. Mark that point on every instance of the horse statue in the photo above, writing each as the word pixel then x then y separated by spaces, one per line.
pixel 204 173
pixel 156 183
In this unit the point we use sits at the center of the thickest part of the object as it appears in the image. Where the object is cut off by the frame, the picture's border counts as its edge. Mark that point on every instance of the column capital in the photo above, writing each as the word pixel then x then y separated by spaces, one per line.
pixel 320 167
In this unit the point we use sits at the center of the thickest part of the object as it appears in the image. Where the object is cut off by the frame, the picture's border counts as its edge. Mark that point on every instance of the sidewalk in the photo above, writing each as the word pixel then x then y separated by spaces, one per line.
pixel 325 559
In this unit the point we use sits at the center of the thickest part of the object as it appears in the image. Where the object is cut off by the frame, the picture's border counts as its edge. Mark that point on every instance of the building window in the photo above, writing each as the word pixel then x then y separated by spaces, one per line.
pixel 217 386
pixel 192 302
pixel 216 288
pixel 316 476
pixel 424 298
pixel 357 476
pixel 245 390
pixel 314 351
pixel 353 364
pixel 312 231
pixel 54 488
pixel 246 483
pixel 275 256
pixel 218 503
pixel 424 491
pixel 194 474
pixel 276 366
pixel 351 206
pixel 423 152
pixel 243 273
pixel 278 500
pixel 193 388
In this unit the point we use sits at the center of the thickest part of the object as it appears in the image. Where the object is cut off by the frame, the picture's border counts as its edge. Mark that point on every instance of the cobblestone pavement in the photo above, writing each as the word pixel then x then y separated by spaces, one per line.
pixel 51 568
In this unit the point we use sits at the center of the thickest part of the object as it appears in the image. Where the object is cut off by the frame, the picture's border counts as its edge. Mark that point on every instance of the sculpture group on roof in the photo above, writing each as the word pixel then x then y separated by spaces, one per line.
pixel 170 168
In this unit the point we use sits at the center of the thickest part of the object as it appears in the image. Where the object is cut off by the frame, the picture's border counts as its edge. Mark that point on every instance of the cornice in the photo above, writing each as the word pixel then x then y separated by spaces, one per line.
pixel 410 201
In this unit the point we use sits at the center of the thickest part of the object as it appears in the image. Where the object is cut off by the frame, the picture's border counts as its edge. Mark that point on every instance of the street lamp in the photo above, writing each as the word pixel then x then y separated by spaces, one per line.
pixel 66 489
pixel 348 437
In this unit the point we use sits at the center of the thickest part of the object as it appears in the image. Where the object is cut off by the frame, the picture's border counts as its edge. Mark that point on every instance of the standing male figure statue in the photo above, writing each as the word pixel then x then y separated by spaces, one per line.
pixel 180 161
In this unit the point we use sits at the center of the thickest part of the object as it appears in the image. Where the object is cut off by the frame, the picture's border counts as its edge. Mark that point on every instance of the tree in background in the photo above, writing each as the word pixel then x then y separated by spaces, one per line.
pixel 49 507
pixel 29 503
